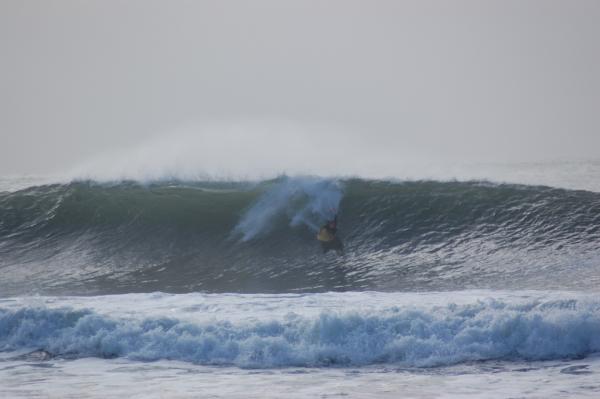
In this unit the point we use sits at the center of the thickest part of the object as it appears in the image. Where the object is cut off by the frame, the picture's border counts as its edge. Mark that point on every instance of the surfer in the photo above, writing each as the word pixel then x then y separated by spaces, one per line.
pixel 327 237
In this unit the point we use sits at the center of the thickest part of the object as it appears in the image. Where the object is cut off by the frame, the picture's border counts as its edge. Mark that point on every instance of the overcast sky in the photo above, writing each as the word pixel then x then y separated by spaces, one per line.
pixel 377 81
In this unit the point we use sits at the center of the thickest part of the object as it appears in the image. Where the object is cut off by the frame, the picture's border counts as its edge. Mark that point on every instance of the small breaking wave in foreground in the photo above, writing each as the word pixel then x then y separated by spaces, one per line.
pixel 395 331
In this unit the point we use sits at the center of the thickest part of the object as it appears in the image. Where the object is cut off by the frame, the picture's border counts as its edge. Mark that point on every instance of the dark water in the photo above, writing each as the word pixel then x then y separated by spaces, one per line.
pixel 88 238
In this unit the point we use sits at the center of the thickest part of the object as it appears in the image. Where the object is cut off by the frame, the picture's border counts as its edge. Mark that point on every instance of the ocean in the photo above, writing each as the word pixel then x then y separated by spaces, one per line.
pixel 482 285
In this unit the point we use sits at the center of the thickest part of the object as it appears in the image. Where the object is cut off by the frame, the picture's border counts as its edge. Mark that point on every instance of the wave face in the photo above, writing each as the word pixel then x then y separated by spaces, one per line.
pixel 414 336
pixel 89 238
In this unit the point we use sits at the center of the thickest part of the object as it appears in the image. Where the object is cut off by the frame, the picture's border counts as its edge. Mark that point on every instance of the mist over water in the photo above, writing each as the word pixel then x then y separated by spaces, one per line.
pixel 255 151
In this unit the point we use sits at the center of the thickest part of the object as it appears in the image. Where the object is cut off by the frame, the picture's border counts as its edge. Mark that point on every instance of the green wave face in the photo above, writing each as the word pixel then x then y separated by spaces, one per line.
pixel 89 238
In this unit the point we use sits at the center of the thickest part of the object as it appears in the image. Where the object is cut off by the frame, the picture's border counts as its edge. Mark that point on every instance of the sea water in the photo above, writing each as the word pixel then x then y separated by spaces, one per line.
pixel 210 289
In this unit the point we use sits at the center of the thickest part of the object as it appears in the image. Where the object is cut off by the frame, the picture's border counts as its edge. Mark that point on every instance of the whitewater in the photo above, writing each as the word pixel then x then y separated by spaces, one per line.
pixel 182 288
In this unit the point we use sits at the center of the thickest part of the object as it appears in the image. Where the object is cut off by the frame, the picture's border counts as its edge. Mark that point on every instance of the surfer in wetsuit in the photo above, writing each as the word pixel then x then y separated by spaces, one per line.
pixel 329 240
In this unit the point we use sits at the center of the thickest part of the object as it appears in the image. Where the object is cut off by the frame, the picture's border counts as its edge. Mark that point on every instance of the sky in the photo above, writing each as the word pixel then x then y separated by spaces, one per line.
pixel 330 85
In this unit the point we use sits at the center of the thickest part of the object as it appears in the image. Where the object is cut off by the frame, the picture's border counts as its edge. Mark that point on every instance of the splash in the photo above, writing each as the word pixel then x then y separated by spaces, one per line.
pixel 305 201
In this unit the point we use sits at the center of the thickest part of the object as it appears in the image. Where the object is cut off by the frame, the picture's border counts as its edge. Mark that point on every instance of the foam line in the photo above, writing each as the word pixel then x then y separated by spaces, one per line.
pixel 409 336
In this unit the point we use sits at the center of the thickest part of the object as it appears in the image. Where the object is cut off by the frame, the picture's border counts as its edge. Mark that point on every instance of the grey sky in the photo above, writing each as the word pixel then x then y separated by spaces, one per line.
pixel 386 80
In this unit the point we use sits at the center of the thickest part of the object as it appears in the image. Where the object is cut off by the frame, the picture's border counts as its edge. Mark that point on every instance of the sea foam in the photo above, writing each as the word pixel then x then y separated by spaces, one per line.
pixel 406 335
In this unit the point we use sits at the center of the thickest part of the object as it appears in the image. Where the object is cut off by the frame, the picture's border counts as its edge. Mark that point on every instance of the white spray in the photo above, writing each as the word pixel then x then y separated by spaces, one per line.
pixel 304 200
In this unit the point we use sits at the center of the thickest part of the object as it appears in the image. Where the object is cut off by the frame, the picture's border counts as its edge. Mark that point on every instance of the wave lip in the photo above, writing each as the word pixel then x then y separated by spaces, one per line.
pixel 407 336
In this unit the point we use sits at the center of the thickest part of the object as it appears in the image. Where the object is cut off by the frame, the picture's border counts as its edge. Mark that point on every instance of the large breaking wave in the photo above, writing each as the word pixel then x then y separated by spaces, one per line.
pixel 90 238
